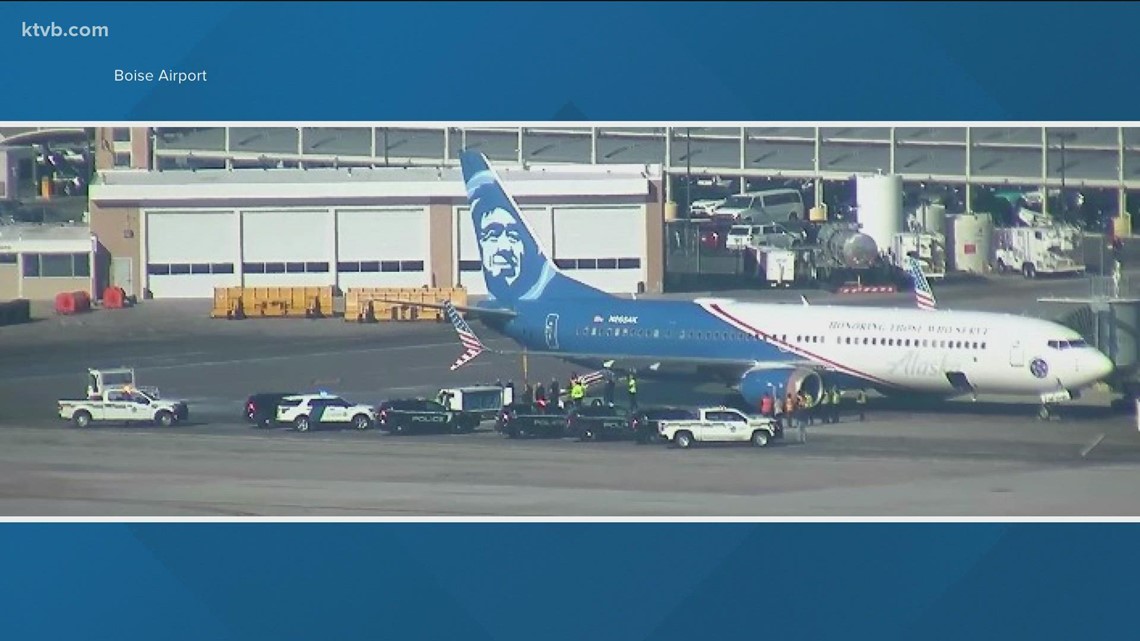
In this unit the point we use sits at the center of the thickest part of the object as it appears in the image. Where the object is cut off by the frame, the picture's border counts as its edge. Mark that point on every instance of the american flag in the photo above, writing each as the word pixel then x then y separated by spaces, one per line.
pixel 471 343
pixel 923 294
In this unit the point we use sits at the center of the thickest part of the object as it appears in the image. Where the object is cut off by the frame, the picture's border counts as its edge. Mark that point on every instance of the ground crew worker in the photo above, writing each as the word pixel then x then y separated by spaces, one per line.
pixel 861 401
pixel 555 393
pixel 806 410
pixel 836 401
pixel 540 393
pixel 824 408
pixel 766 406
pixel 577 392
pixel 790 411
pixel 528 394
pixel 609 393
pixel 632 392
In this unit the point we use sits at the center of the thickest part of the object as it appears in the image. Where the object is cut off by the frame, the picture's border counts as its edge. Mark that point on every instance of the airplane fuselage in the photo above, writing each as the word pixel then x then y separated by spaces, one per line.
pixel 938 352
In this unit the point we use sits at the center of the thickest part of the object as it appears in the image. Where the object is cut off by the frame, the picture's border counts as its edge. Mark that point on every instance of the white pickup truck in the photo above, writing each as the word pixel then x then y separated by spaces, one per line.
pixel 121 405
pixel 719 425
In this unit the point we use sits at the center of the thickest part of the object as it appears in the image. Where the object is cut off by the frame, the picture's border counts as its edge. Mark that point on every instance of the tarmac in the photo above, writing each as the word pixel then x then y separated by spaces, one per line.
pixel 985 458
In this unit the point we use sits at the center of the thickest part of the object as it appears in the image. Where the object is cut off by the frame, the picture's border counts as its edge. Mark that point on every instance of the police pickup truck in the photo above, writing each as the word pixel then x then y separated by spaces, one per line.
pixel 599 422
pixel 417 415
pixel 520 420
pixel 718 425
pixel 121 405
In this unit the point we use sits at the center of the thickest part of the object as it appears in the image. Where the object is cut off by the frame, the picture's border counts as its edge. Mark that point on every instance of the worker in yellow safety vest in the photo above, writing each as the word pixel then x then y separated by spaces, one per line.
pixel 577 392
pixel 632 392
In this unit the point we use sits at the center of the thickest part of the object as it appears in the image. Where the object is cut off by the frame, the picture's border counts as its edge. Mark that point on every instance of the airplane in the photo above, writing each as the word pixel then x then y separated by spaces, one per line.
pixel 756 348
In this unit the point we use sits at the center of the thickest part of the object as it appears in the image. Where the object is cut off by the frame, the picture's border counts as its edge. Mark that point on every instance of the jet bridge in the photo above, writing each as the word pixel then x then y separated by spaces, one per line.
pixel 1109 319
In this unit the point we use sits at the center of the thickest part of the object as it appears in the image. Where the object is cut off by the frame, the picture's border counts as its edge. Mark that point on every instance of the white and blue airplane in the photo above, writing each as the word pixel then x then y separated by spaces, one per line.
pixel 757 348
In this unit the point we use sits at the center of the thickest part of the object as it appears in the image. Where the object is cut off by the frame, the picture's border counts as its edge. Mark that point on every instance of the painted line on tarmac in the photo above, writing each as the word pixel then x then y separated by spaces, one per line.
pixel 239 361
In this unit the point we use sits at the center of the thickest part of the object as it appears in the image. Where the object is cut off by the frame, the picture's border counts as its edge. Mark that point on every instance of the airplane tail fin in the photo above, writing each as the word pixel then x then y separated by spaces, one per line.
pixel 472 346
pixel 923 294
pixel 515 264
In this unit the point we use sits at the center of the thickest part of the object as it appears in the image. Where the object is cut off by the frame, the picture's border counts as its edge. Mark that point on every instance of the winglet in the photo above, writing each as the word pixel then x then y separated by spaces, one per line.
pixel 471 344
pixel 923 294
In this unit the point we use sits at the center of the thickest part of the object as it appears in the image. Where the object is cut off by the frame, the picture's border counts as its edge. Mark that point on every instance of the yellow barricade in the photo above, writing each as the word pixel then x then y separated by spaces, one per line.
pixel 369 304
pixel 227 303
pixel 267 302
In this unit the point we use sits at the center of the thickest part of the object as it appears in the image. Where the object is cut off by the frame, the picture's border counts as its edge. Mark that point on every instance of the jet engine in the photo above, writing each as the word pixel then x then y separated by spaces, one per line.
pixel 779 382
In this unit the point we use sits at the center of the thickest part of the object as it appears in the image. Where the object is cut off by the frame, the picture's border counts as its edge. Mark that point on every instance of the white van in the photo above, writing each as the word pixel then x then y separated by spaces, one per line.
pixel 767 235
pixel 771 204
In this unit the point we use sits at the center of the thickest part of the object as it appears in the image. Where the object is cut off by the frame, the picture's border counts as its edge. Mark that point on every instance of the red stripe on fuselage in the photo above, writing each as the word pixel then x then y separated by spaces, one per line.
pixel 716 309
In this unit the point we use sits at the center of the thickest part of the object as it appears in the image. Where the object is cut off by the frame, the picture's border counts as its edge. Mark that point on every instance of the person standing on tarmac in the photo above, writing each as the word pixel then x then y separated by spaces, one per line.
pixel 609 393
pixel 790 411
pixel 766 406
pixel 540 393
pixel 577 392
pixel 555 394
pixel 632 392
pixel 861 402
pixel 824 407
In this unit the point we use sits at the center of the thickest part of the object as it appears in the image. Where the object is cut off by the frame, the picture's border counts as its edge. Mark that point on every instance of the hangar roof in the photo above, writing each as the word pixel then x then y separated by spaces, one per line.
pixel 244 185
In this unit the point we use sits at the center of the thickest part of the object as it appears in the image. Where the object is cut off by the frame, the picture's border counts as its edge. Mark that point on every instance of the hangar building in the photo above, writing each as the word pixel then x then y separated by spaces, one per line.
pixel 180 234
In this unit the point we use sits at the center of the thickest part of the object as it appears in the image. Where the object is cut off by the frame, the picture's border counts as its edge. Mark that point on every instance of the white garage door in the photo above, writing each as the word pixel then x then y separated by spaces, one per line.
pixel 189 253
pixel 603 246
pixel 383 248
pixel 469 271
pixel 288 248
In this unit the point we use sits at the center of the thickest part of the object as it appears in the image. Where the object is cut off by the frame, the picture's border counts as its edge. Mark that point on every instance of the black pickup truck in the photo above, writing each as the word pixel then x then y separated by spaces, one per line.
pixel 644 422
pixel 598 423
pixel 520 420
pixel 418 415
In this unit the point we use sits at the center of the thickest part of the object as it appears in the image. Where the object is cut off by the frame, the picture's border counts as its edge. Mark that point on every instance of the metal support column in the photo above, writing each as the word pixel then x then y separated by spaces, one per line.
pixel 300 147
pixel 1122 193
pixel 521 156
pixel 1044 172
pixel 446 145
pixel 372 145
pixel 594 146
pixel 226 147
pixel 891 163
pixel 743 148
pixel 817 164
pixel 969 169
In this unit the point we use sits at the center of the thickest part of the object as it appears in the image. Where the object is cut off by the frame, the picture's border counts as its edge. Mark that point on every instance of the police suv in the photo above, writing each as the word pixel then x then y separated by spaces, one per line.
pixel 417 415
pixel 306 411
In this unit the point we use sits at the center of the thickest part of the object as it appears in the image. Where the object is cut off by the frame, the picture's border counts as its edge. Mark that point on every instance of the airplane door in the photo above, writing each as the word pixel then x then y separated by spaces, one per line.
pixel 1016 355
pixel 552 331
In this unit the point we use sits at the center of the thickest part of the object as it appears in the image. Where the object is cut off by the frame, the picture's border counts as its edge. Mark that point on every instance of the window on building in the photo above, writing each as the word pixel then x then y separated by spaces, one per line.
pixel 123 159
pixel 7 259
pixel 121 134
pixel 57 266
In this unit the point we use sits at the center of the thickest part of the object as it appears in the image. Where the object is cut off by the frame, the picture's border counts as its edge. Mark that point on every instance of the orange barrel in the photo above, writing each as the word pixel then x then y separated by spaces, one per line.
pixel 114 297
pixel 82 301
pixel 64 303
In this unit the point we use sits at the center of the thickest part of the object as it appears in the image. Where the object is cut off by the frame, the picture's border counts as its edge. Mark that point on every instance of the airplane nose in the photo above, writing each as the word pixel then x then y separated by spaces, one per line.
pixel 1100 365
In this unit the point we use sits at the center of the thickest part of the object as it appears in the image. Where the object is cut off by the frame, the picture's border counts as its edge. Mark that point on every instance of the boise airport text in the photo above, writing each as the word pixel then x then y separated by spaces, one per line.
pixel 166 75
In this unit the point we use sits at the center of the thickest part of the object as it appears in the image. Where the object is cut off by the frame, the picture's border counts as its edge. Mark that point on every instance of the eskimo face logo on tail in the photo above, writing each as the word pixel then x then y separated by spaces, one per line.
pixel 514 266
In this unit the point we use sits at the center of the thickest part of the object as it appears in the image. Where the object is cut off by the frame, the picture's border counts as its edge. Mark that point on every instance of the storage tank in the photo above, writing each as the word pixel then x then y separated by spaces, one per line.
pixel 970 242
pixel 933 218
pixel 879 202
